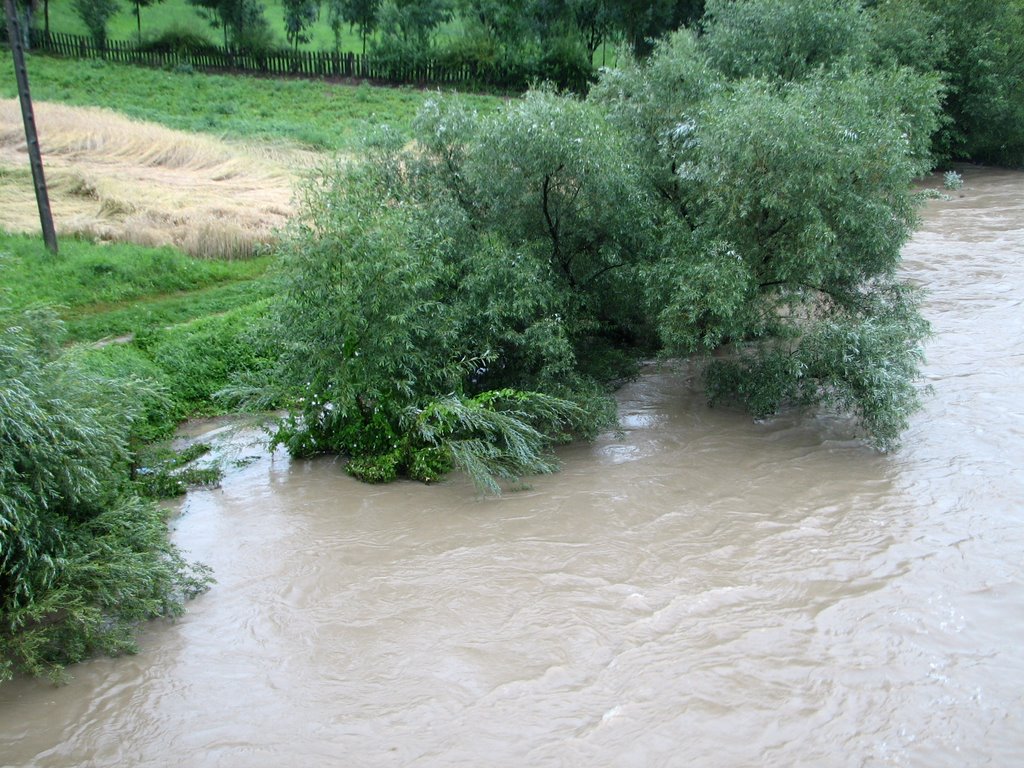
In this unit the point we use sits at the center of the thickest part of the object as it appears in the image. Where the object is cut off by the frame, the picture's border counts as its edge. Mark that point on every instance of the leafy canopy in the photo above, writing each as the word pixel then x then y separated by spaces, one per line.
pixel 477 293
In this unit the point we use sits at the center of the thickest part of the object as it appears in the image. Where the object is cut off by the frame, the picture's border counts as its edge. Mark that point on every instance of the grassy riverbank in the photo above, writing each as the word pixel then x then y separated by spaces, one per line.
pixel 188 318
pixel 152 314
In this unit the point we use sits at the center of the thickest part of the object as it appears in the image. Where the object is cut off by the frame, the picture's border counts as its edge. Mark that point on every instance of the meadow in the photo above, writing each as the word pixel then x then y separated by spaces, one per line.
pixel 313 114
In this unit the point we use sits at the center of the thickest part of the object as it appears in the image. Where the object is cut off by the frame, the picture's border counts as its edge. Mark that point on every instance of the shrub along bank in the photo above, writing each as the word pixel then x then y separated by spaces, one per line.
pixel 470 300
pixel 84 555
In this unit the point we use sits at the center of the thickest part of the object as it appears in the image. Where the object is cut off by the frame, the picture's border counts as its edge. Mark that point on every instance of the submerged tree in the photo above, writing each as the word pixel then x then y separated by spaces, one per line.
pixel 386 355
pixel 788 201
pixel 484 288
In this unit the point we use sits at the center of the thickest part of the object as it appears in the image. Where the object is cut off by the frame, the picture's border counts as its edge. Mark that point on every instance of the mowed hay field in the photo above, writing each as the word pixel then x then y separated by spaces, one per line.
pixel 112 178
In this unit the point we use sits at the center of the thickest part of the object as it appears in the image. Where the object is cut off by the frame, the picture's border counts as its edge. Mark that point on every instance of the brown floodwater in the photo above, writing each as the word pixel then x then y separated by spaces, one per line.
pixel 698 590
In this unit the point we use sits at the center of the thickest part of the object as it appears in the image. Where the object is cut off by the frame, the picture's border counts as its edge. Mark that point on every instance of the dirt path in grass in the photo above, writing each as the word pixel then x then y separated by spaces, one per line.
pixel 116 179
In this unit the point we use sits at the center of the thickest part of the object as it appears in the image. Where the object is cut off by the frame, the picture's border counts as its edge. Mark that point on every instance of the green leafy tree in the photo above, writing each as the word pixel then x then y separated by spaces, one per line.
pixel 540 176
pixel 509 22
pixel 789 205
pixel 517 265
pixel 355 13
pixel 407 25
pixel 907 33
pixel 242 21
pixel 380 357
pixel 786 39
pixel 984 66
pixel 642 22
pixel 95 14
pixel 299 15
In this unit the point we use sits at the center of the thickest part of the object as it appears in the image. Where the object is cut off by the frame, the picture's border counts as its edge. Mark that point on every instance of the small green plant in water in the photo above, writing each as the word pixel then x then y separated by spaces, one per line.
pixel 952 180
pixel 166 474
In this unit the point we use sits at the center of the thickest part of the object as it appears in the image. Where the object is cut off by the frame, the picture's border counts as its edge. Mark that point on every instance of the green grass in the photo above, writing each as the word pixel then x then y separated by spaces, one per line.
pixel 191 319
pixel 142 315
pixel 311 113
pixel 112 290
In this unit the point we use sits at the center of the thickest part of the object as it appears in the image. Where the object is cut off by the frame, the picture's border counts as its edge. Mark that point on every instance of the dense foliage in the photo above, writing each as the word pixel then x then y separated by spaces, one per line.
pixel 82 558
pixel 982 45
pixel 716 197
pixel 386 353
pixel 470 299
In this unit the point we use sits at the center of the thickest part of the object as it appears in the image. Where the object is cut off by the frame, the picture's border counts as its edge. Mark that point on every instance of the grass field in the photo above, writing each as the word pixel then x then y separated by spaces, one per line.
pixel 181 325
pixel 237 145
pixel 103 291
pixel 312 114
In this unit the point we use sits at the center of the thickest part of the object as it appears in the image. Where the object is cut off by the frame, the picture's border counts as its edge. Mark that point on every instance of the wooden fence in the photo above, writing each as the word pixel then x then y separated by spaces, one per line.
pixel 288 63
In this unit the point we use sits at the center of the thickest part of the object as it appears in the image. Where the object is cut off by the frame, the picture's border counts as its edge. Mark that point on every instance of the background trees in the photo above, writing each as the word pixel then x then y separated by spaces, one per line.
pixel 298 16
pixel 95 14
pixel 983 63
pixel 241 21
pixel 355 13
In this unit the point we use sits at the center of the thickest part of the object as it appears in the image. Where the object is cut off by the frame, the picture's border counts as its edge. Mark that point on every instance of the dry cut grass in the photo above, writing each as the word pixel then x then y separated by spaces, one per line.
pixel 115 179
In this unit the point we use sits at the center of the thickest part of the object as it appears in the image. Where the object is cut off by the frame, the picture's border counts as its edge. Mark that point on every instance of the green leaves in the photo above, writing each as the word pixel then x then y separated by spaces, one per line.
pixel 785 39
pixel 785 178
pixel 498 435
pixel 81 559
pixel 435 295
pixel 864 363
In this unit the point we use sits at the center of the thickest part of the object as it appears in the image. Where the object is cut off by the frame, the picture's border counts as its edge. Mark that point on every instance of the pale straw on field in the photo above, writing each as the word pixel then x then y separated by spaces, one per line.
pixel 116 179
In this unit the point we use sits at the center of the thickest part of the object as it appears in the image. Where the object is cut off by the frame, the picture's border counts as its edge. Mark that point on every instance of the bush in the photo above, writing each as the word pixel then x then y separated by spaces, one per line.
pixel 82 560
pixel 476 294
pixel 158 411
pixel 178 40
pixel 566 62
pixel 202 357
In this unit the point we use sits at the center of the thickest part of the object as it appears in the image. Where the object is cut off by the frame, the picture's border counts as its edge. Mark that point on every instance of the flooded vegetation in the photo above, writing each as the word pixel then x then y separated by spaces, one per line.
pixel 700 588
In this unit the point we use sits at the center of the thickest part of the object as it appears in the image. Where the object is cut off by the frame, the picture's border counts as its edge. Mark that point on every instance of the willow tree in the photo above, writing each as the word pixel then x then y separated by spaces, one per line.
pixel 82 558
pixel 486 286
pixel 787 201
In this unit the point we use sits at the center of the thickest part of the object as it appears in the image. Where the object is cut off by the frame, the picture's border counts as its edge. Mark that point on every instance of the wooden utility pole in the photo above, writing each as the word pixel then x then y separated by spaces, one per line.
pixel 31 137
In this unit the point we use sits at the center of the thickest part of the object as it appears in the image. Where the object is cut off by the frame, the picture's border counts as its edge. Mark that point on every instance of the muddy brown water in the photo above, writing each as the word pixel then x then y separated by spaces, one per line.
pixel 698 591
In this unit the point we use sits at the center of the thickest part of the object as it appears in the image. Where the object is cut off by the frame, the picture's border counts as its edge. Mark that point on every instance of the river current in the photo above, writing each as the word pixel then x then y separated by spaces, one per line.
pixel 699 590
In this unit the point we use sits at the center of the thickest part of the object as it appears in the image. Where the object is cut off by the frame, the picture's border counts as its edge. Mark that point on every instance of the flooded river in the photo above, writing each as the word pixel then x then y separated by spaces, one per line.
pixel 700 590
